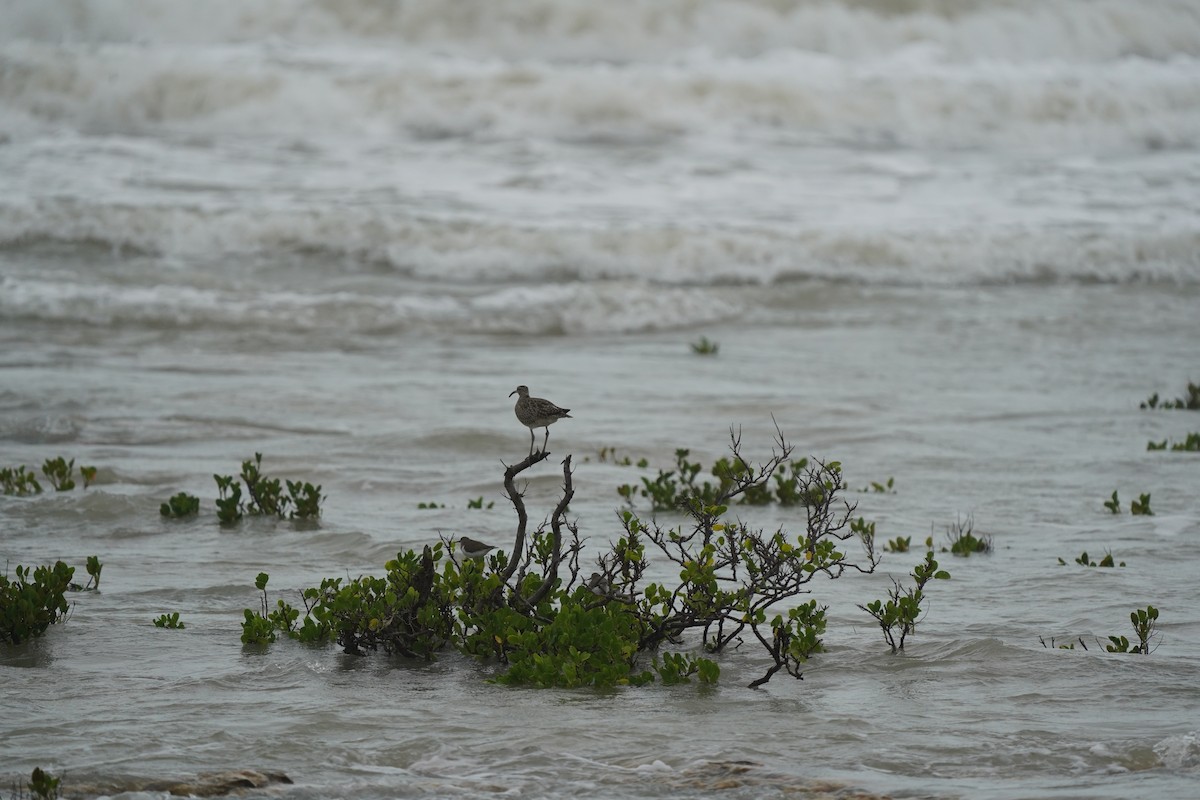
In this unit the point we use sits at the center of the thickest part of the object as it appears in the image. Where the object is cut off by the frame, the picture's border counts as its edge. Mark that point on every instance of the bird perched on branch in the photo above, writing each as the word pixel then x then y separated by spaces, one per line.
pixel 472 548
pixel 536 412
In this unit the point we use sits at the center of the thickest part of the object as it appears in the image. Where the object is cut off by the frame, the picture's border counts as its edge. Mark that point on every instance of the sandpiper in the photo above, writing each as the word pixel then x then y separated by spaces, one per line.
pixel 598 584
pixel 473 549
pixel 536 412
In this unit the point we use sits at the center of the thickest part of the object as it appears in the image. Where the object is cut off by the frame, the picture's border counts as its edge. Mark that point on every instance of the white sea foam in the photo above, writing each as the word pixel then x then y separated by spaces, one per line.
pixel 469 253
pixel 639 29
pixel 563 165
pixel 913 98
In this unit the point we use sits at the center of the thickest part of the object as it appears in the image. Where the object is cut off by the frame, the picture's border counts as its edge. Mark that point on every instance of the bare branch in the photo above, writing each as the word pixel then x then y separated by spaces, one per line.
pixel 510 474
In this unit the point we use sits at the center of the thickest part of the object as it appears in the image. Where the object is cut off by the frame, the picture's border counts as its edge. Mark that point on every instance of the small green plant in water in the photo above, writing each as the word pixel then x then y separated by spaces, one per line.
pixel 42 785
pixel 1113 504
pixel 1141 506
pixel 898 615
pixel 229 499
pixel 881 488
pixel 430 505
pixel 19 481
pixel 170 621
pixel 964 542
pixel 257 628
pixel 1189 445
pixel 1191 402
pixel 704 347
pixel 93 570
pixel 34 601
pixel 265 494
pixel 1083 560
pixel 478 503
pixel 181 505
pixel 900 544
pixel 1145 625
pixel 58 472
pixel 306 500
pixel 88 474
pixel 607 455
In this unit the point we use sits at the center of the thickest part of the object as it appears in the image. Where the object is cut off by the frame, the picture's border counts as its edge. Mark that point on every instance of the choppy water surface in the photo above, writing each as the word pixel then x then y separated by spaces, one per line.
pixel 951 244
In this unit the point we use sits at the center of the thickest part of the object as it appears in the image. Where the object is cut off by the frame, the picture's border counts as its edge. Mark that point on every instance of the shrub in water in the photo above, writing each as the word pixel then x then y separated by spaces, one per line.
pixel 34 601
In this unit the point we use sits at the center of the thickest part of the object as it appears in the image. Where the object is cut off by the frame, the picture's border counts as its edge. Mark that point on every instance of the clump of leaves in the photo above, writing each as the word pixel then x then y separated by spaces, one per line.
pixel 42 785
pixel 1145 625
pixel 430 505
pixel 19 481
pixel 229 499
pixel 1107 561
pixel 704 347
pixel 1189 445
pixel 34 601
pixel 881 488
pixel 58 471
pixel 261 627
pixel 180 505
pixel 478 503
pixel 730 574
pixel 1141 506
pixel 257 627
pixel 265 496
pixel 963 541
pixel 898 614
pixel 88 474
pixel 93 570
pixel 900 544
pixel 1190 402
pixel 672 489
pixel 170 621
pixel 306 500
pixel 609 455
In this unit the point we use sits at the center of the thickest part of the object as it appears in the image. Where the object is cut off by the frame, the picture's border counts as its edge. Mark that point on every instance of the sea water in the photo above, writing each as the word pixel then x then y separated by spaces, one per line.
pixel 950 244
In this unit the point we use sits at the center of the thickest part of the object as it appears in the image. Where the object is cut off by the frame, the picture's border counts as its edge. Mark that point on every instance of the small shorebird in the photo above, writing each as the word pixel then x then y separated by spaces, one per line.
pixel 598 584
pixel 471 548
pixel 535 412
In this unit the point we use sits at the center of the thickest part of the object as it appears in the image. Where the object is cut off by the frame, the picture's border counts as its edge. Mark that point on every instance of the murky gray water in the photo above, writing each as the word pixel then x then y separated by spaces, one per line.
pixel 1018 406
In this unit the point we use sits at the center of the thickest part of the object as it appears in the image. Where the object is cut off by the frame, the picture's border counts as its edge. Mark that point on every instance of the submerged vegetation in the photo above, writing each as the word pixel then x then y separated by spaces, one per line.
pixel 704 347
pixel 21 480
pixel 181 505
pixel 1139 507
pixel 34 601
pixel 963 541
pixel 36 598
pixel 1189 402
pixel 898 615
pixel 43 785
pixel 1145 629
pixel 264 496
pixel 169 621
pixel 1083 560
pixel 539 616
pixel 670 488
pixel 1189 445
pixel 543 619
